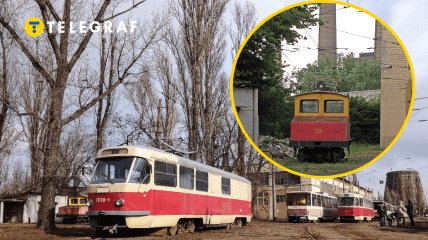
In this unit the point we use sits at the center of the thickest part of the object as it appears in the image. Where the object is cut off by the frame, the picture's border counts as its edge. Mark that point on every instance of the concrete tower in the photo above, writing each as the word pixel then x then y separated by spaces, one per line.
pixel 404 186
pixel 327 33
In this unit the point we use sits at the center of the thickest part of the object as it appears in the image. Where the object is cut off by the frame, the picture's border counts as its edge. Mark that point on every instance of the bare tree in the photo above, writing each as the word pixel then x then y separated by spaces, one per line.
pixel 244 20
pixel 68 49
pixel 198 50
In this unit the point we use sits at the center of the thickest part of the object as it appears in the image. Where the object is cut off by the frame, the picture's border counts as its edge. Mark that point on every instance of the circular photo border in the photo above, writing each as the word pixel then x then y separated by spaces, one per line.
pixel 329 176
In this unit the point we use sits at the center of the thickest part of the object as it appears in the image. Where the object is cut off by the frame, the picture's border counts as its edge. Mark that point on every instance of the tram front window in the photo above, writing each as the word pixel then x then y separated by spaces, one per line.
pixel 112 170
pixel 348 201
pixel 299 199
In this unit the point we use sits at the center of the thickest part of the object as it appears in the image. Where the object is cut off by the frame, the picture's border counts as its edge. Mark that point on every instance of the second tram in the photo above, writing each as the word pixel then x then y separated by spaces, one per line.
pixel 354 207
pixel 306 206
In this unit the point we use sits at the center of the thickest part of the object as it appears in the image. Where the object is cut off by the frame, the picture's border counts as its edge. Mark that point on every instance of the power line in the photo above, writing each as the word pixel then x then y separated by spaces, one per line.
pixel 418 111
pixel 420 98
pixel 304 19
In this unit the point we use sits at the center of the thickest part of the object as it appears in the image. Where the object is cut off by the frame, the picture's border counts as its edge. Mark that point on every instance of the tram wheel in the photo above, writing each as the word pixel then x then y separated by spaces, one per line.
pixel 65 220
pixel 229 226
pixel 172 230
pixel 99 233
pixel 191 227
pixel 238 223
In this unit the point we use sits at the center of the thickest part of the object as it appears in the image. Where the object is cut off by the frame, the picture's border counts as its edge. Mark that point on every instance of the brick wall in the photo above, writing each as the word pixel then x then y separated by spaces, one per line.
pixel 396 81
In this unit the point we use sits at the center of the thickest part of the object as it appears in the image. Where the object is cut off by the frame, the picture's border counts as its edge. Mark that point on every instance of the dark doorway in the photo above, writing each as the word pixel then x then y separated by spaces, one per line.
pixel 13 212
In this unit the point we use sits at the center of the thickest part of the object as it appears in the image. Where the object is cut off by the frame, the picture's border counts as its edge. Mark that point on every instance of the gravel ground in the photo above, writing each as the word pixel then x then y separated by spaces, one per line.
pixel 255 230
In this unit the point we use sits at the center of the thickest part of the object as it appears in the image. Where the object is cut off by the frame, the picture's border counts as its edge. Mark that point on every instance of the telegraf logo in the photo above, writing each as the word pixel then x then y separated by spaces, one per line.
pixel 34 27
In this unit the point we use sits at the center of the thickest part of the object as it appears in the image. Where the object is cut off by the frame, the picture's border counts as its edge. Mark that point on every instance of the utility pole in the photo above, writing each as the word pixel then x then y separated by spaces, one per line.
pixel 158 123
pixel 273 195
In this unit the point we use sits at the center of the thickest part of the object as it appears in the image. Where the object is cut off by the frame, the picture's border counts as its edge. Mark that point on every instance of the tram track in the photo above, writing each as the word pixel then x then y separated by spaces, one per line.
pixel 310 234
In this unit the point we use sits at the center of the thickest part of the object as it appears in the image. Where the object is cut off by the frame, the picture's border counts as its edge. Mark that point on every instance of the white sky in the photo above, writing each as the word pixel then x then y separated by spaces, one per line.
pixel 408 20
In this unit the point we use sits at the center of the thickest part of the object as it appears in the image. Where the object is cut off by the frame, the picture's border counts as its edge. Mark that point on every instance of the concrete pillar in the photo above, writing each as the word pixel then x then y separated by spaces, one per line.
pixel 1 211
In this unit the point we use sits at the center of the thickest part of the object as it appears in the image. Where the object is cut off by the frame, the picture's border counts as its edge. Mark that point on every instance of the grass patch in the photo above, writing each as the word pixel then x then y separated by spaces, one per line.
pixel 361 154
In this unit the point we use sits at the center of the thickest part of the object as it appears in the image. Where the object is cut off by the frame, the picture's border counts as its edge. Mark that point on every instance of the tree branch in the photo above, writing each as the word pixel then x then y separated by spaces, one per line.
pixel 93 102
pixel 52 10
pixel 51 36
pixel 35 63
pixel 129 9
pixel 87 37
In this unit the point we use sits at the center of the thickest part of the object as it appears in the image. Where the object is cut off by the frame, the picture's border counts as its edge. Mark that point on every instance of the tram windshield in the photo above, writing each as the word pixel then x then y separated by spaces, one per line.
pixel 376 205
pixel 298 199
pixel 112 170
pixel 348 201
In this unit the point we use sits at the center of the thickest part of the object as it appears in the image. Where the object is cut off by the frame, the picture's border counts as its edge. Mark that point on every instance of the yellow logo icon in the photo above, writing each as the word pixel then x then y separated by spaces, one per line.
pixel 34 27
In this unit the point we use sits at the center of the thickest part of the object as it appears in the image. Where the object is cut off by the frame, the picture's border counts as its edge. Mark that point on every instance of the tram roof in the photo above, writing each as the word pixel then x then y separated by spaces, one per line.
pixel 352 195
pixel 322 92
pixel 158 154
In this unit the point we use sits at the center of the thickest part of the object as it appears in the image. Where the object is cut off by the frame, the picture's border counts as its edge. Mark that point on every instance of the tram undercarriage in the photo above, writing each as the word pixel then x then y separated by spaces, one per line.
pixel 320 155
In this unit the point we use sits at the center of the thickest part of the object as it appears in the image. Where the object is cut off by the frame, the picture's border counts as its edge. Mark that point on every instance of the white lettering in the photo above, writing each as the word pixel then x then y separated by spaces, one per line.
pixel 107 27
pixel 83 27
pixel 50 26
pixel 61 27
pixel 97 27
pixel 133 25
pixel 71 28
pixel 121 27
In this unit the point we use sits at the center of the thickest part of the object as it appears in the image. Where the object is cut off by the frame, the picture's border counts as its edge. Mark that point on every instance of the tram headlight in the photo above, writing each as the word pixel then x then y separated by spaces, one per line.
pixel 118 203
pixel 89 203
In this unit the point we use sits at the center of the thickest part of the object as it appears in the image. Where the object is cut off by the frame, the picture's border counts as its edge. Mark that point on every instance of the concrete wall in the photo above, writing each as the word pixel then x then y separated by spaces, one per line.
pixel 246 102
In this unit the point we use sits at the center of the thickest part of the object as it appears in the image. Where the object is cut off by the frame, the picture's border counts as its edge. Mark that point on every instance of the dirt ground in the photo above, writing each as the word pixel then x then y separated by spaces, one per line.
pixel 255 230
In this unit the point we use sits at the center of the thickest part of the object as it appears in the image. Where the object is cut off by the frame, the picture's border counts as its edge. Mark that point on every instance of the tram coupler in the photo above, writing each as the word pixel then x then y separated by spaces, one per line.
pixel 112 230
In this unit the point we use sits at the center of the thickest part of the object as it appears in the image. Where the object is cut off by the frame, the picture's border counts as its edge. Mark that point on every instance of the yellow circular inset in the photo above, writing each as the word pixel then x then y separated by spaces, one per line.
pixel 335 175
pixel 34 27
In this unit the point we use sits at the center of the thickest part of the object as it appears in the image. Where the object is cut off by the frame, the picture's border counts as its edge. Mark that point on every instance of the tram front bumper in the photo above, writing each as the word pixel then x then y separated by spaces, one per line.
pixel 112 218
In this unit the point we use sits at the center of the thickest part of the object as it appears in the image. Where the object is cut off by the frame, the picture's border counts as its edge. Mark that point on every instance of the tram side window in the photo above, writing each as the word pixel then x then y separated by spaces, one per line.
pixel 319 201
pixel 361 202
pixel 328 202
pixel 201 181
pixel 333 106
pixel 165 174
pixel 225 186
pixel 309 106
pixel 314 200
pixel 141 171
pixel 187 178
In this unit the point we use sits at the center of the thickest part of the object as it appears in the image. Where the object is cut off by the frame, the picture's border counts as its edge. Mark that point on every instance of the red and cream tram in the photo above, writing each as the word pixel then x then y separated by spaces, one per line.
pixel 306 206
pixel 136 187
pixel 354 207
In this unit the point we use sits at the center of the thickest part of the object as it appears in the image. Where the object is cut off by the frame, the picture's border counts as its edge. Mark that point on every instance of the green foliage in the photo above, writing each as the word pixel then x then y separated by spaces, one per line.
pixel 365 120
pixel 259 63
pixel 353 75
